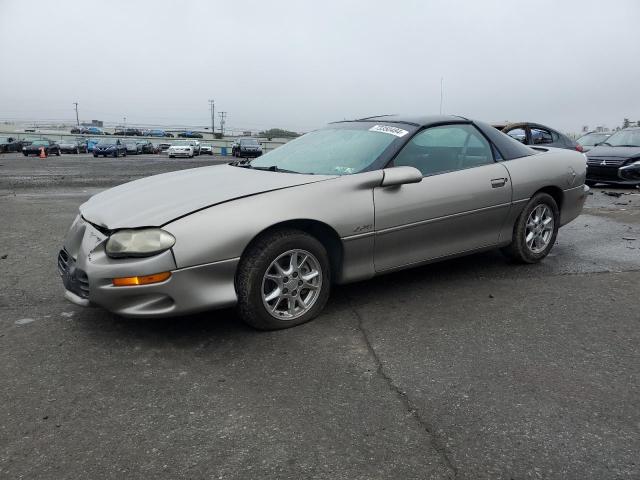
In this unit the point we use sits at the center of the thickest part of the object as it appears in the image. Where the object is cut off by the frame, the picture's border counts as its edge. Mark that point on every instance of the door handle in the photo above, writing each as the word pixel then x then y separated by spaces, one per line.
pixel 498 182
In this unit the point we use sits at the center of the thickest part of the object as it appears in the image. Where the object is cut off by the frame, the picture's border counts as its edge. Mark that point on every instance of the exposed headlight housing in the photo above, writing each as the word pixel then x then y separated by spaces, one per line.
pixel 630 172
pixel 139 243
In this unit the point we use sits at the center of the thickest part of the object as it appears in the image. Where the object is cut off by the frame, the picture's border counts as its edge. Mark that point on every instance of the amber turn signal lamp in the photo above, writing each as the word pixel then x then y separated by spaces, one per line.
pixel 144 280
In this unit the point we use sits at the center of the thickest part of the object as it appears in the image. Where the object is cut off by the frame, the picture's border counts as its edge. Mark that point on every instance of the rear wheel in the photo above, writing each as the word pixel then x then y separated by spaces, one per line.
pixel 283 280
pixel 535 230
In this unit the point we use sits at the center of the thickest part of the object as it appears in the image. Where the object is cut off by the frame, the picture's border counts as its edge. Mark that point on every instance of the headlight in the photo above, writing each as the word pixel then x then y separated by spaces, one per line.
pixel 139 243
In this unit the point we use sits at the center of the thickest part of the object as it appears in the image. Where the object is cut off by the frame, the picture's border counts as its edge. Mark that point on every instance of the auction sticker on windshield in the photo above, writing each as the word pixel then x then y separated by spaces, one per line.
pixel 398 132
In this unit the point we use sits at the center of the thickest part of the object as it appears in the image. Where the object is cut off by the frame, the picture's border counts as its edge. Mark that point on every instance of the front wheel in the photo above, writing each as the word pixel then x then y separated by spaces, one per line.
pixel 283 280
pixel 535 230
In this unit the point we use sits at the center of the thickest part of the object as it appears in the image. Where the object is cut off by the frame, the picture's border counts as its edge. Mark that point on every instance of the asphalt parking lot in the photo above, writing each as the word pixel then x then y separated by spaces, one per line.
pixel 472 368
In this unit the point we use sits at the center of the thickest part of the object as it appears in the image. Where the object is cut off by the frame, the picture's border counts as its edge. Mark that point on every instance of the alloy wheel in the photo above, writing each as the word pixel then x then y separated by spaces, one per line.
pixel 539 228
pixel 291 284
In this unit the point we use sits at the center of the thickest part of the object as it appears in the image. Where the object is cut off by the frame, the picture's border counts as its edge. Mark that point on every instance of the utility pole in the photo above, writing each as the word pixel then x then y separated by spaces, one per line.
pixel 77 120
pixel 212 107
pixel 222 117
pixel 125 121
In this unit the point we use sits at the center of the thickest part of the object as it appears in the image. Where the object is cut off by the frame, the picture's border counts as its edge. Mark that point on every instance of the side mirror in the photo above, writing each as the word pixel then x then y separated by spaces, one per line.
pixel 395 176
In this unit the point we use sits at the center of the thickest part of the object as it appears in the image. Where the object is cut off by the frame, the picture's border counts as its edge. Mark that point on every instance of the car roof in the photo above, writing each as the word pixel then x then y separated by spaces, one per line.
pixel 417 120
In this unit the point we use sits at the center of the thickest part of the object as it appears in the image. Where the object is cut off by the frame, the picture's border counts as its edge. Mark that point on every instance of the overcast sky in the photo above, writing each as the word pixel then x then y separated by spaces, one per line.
pixel 300 64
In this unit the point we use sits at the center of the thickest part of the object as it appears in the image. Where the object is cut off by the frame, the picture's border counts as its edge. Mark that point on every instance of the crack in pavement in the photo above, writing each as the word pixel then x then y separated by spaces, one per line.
pixel 402 396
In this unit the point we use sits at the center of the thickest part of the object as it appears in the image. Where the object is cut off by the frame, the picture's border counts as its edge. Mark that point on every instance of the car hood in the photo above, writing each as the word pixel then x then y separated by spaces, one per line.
pixel 606 151
pixel 157 200
pixel 104 147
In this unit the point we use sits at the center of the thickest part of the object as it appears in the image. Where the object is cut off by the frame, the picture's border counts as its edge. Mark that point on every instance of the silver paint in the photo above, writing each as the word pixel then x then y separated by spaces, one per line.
pixel 215 213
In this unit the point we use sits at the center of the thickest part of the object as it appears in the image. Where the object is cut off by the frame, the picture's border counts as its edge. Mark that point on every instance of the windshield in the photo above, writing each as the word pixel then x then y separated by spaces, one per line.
pixel 107 142
pixel 40 143
pixel 248 141
pixel 591 139
pixel 625 138
pixel 183 143
pixel 331 151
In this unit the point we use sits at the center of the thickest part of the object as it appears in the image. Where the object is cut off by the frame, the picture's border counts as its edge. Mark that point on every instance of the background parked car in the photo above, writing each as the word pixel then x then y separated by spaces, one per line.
pixel 206 149
pixel 91 131
pixel 537 135
pixel 145 146
pixel 591 139
pixel 159 133
pixel 128 132
pixel 70 145
pixel 189 134
pixel 246 147
pixel 133 147
pixel 605 161
pixel 181 149
pixel 111 147
pixel 164 146
pixel 10 144
pixel 76 130
pixel 50 147
pixel 91 143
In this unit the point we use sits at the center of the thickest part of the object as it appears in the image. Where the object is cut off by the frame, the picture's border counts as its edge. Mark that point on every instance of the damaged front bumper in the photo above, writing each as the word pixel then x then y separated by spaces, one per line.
pixel 87 274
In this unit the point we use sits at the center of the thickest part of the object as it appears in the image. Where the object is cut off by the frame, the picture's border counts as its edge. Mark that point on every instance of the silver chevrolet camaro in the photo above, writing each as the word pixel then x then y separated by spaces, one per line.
pixel 344 203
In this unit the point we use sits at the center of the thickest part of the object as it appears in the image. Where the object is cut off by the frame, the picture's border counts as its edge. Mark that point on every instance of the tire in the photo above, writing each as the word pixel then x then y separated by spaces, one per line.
pixel 95 156
pixel 520 250
pixel 590 183
pixel 77 151
pixel 25 154
pixel 170 156
pixel 124 154
pixel 58 152
pixel 251 280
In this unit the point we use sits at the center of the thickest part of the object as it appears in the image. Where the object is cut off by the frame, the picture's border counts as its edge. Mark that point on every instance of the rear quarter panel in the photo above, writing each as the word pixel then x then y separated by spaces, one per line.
pixel 560 168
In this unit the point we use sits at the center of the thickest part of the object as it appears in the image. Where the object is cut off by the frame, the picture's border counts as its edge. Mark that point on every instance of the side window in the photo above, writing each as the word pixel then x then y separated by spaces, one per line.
pixel 540 136
pixel 518 134
pixel 444 149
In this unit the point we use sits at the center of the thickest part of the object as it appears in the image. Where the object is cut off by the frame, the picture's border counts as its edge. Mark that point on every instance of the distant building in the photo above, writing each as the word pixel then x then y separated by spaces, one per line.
pixel 94 123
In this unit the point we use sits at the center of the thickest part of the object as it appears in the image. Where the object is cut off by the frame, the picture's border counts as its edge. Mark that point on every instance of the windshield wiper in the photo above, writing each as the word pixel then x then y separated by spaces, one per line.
pixel 627 145
pixel 241 164
pixel 274 168
pixel 604 143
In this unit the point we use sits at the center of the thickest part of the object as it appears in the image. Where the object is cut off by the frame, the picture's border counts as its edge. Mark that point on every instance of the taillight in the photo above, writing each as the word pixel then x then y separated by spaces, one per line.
pixel 579 148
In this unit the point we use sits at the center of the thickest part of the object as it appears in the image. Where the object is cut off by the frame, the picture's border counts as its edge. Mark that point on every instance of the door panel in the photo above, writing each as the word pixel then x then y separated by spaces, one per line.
pixel 443 215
